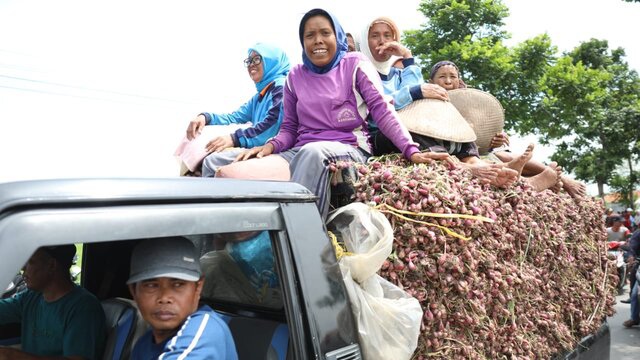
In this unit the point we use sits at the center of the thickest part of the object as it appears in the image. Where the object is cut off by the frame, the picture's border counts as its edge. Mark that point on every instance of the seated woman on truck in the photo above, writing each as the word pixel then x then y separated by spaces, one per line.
pixel 380 41
pixel 326 103
pixel 268 66
pixel 447 75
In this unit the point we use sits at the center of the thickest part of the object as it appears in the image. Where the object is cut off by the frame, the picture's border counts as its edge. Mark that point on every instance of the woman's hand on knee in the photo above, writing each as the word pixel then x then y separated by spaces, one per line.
pixel 258 152
pixel 220 143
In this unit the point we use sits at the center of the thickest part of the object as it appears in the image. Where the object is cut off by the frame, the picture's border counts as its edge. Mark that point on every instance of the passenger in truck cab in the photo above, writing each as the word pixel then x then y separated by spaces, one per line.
pixel 59 319
pixel 166 282
pixel 327 99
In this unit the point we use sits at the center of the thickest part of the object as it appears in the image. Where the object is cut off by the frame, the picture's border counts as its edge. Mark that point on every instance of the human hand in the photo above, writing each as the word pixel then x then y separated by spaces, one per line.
pixel 394 48
pixel 195 127
pixel 433 91
pixel 428 156
pixel 258 152
pixel 498 140
pixel 220 143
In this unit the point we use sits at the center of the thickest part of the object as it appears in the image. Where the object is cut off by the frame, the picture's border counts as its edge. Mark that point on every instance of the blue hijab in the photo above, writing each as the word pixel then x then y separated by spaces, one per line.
pixel 341 40
pixel 275 64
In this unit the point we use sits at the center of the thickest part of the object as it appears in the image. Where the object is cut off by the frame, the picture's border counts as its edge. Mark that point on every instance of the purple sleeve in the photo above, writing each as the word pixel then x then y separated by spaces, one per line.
pixel 382 111
pixel 288 134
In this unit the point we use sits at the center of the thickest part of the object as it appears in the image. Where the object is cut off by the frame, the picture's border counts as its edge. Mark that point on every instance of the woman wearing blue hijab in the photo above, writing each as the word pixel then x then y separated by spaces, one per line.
pixel 268 66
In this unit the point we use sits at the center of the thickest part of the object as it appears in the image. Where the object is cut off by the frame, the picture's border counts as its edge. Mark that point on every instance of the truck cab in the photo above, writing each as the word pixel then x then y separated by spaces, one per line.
pixel 270 269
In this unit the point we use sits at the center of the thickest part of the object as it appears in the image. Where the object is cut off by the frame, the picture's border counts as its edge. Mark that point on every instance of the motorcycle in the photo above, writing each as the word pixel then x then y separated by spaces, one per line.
pixel 616 250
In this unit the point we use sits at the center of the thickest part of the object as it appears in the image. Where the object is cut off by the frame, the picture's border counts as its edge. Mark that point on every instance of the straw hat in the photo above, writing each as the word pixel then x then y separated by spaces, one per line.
pixel 437 119
pixel 483 112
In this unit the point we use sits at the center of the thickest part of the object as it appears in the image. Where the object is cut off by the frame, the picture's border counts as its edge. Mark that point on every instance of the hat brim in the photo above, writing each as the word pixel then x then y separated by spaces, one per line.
pixel 437 119
pixel 174 274
pixel 482 111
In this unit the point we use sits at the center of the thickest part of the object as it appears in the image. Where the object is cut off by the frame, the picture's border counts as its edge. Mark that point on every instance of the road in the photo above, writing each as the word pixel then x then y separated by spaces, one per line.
pixel 625 343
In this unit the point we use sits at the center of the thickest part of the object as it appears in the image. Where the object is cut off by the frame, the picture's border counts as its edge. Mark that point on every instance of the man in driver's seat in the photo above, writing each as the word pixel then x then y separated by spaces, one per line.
pixel 59 319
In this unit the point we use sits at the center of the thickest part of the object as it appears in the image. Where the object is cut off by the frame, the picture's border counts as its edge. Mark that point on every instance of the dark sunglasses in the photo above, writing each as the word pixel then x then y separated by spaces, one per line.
pixel 256 60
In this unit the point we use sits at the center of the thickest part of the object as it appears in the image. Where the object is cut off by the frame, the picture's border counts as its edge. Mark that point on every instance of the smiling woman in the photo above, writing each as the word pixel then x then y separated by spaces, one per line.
pixel 327 103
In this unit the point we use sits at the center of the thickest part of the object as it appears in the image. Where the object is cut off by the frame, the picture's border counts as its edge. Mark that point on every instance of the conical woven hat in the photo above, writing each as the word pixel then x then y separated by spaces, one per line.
pixel 483 112
pixel 437 119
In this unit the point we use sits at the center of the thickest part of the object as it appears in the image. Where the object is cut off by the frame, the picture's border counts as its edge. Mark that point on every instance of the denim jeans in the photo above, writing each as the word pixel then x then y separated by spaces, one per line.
pixel 635 315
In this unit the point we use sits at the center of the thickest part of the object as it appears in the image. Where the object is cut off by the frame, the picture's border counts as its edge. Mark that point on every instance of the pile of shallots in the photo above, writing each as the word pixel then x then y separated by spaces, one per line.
pixel 500 273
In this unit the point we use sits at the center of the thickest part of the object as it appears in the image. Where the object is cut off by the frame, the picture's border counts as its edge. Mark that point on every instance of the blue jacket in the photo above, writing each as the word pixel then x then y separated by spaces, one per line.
pixel 403 85
pixel 204 335
pixel 264 109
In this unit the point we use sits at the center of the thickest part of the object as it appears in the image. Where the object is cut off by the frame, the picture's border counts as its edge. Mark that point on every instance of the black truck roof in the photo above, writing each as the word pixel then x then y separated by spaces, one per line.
pixel 122 190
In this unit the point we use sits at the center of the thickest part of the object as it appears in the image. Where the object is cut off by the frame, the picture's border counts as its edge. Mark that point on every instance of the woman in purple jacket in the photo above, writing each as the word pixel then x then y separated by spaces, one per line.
pixel 326 103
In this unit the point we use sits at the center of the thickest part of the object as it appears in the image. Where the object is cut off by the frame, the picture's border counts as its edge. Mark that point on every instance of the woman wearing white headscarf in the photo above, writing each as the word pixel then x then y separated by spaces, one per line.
pixel 380 42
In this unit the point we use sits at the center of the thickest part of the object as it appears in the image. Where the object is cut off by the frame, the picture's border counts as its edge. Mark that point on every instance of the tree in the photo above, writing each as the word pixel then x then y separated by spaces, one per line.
pixel 470 33
pixel 590 111
pixel 585 102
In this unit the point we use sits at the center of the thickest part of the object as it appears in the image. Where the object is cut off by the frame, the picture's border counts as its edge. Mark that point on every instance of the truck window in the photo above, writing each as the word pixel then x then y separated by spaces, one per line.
pixel 239 268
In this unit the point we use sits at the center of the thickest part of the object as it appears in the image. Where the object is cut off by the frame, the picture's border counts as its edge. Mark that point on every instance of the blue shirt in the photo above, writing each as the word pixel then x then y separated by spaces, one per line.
pixel 204 335
pixel 73 325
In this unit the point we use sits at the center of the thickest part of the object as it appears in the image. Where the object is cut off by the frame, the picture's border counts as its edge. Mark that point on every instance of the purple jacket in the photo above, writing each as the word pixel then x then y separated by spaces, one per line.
pixel 334 107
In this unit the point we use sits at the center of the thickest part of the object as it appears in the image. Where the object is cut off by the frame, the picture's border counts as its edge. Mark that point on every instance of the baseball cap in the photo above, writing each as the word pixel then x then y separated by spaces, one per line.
pixel 63 254
pixel 173 257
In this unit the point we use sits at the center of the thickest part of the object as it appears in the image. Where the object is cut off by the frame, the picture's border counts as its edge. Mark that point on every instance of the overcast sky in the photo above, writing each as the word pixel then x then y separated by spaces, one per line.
pixel 107 88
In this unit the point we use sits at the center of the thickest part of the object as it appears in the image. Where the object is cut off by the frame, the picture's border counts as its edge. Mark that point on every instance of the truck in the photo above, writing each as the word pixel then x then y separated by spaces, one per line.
pixel 270 268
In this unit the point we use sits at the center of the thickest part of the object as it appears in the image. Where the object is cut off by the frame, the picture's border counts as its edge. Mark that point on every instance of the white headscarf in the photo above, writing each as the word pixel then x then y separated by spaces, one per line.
pixel 362 44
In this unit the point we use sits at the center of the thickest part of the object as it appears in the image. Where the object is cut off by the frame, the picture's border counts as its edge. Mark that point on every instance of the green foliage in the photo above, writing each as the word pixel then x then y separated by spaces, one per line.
pixel 469 32
pixel 622 184
pixel 586 102
pixel 592 98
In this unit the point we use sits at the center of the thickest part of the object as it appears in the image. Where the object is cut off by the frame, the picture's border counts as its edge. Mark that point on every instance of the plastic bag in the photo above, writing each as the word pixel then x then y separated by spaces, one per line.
pixel 388 318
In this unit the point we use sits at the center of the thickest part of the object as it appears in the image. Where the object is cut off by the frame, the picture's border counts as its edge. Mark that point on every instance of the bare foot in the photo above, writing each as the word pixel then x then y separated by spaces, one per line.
pixel 506 177
pixel 575 188
pixel 518 163
pixel 558 169
pixel 494 174
pixel 487 173
pixel 546 179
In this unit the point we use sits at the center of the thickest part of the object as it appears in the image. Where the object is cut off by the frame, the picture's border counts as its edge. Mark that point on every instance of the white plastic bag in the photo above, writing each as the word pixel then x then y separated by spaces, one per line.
pixel 388 318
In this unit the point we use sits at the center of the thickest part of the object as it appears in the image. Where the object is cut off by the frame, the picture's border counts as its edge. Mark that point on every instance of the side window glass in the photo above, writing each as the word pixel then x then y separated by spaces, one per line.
pixel 240 268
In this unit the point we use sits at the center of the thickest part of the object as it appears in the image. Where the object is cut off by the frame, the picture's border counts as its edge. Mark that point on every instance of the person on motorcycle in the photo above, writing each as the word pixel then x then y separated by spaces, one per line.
pixel 634 245
pixel 617 232
pixel 59 319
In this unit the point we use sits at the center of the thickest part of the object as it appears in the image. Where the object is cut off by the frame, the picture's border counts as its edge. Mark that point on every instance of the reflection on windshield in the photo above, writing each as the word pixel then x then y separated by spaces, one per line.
pixel 240 268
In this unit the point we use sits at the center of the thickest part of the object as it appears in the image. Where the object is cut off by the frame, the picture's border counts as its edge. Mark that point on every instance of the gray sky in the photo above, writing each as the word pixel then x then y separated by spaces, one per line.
pixel 107 88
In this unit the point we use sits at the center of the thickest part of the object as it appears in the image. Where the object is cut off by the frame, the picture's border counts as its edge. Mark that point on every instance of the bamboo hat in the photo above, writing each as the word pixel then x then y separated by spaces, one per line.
pixel 483 112
pixel 437 119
